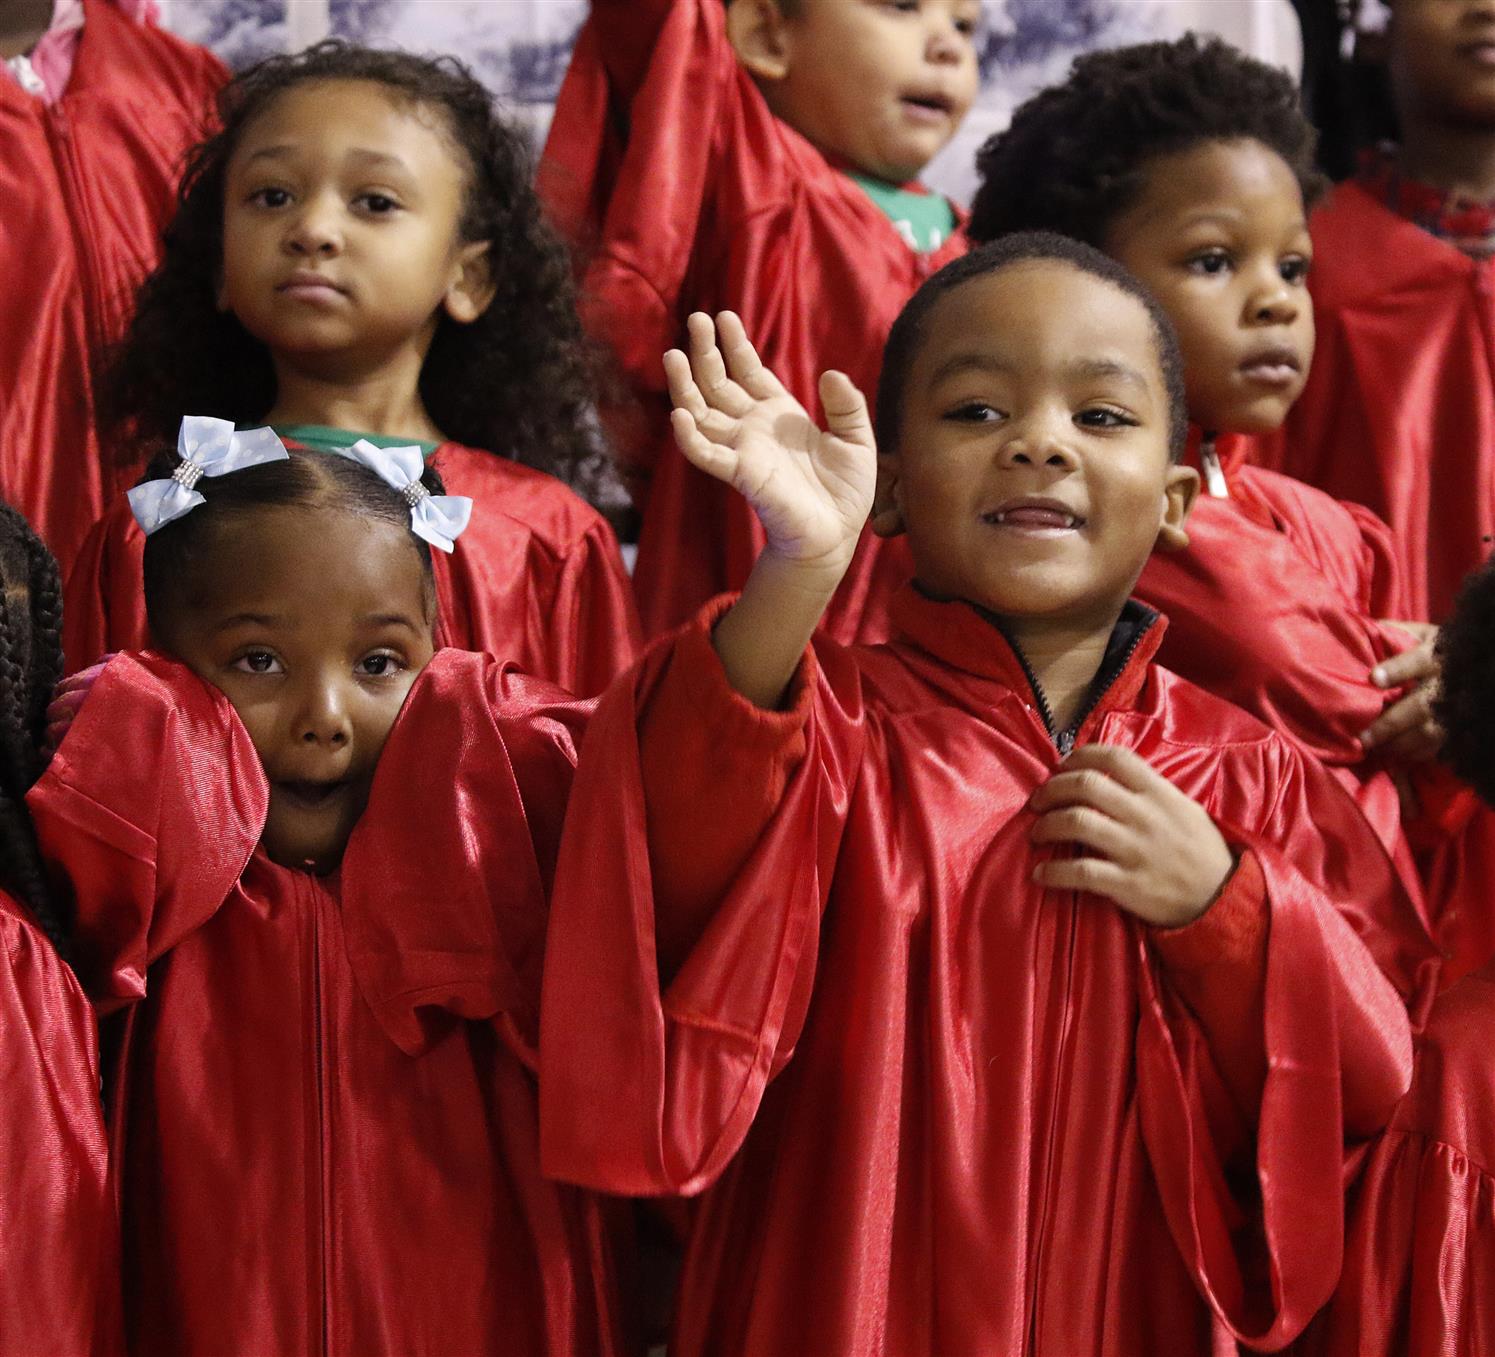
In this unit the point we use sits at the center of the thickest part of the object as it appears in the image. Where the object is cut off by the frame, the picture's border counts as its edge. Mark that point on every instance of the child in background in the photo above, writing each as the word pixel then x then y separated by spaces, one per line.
pixel 98 107
pixel 1001 992
pixel 760 156
pixel 358 254
pixel 59 1290
pixel 1420 1243
pixel 310 856
pixel 1399 411
pixel 1191 163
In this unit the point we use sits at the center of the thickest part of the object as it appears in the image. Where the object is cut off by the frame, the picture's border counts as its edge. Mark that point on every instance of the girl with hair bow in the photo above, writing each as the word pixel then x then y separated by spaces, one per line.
pixel 310 853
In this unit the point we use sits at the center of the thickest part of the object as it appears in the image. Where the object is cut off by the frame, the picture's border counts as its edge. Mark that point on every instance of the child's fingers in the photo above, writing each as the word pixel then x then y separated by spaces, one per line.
pixel 846 413
pixel 683 389
pixel 1411 666
pixel 710 372
pixel 743 363
pixel 1130 770
pixel 1090 829
pixel 1413 714
pixel 1094 875
pixel 712 458
pixel 1091 787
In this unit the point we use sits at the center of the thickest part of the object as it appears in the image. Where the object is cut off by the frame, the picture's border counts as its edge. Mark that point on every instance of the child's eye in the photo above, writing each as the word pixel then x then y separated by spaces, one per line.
pixel 381 664
pixel 270 197
pixel 973 412
pixel 966 27
pixel 904 6
pixel 1210 262
pixel 1104 417
pixel 258 662
pixel 1294 269
pixel 377 204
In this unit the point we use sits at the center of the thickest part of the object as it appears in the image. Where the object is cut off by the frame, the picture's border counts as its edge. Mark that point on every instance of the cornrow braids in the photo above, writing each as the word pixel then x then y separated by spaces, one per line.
pixel 1074 157
pixel 30 666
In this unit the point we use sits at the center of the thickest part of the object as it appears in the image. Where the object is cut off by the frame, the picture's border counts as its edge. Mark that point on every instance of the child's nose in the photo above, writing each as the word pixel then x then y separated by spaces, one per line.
pixel 315 231
pixel 1037 441
pixel 322 717
pixel 1274 303
pixel 947 44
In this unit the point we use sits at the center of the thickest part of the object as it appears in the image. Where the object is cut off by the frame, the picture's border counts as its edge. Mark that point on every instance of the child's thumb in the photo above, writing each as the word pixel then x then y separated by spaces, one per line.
pixel 845 409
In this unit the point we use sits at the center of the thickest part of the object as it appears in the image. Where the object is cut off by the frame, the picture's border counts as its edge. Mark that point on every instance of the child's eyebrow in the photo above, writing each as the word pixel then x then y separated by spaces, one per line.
pixel 391 620
pixel 249 619
pixel 1110 367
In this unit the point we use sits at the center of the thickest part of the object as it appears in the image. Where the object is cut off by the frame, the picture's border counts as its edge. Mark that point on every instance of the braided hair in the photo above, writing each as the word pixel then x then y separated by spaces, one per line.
pixel 30 666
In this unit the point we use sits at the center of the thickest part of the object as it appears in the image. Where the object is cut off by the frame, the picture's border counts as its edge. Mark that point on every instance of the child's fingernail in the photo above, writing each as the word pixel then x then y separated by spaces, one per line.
pixel 1378 676
pixel 1367 738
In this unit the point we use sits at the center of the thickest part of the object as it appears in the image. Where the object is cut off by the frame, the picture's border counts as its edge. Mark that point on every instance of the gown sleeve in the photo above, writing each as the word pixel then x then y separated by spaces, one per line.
pixel 59 1287
pixel 152 808
pixel 1265 1249
pixel 681 1063
pixel 593 604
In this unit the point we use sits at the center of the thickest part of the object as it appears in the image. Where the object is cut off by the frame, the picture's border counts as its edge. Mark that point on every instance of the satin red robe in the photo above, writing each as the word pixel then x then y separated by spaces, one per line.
pixel 537 579
pixel 933 1109
pixel 685 193
pixel 1276 605
pixel 322 1106
pixel 1399 410
pixel 1419 1272
pixel 87 186
pixel 59 1287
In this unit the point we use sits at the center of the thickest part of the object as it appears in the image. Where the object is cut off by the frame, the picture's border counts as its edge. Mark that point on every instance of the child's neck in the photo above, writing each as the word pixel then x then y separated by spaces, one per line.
pixel 1458 160
pixel 1064 656
pixel 385 401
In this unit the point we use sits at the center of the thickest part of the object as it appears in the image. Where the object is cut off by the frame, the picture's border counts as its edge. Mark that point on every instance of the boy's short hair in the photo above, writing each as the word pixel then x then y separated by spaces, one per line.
pixel 1073 157
pixel 1465 705
pixel 907 335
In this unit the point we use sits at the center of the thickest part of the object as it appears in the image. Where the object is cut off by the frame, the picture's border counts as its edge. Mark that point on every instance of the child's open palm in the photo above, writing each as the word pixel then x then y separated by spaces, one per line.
pixel 811 488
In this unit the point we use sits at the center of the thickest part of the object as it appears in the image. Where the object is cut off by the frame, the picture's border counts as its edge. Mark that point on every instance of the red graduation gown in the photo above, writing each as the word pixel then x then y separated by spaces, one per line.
pixel 59 1289
pixel 87 186
pixel 1276 606
pixel 685 193
pixel 537 579
pixel 322 1107
pixel 1419 1271
pixel 932 1108
pixel 1399 410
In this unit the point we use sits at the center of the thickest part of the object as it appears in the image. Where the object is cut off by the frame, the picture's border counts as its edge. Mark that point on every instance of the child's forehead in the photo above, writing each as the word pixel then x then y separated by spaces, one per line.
pixel 1237 176
pixel 336 111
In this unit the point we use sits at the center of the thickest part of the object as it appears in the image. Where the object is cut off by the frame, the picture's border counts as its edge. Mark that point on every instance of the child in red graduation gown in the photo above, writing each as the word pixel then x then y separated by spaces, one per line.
pixel 59 1291
pixel 762 156
pixel 1399 411
pixel 1000 991
pixel 1419 1273
pixel 310 857
pixel 1191 164
pixel 359 254
pixel 91 146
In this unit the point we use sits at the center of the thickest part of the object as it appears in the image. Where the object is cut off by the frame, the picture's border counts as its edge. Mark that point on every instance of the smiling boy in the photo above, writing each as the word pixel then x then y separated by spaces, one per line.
pixel 763 157
pixel 999 991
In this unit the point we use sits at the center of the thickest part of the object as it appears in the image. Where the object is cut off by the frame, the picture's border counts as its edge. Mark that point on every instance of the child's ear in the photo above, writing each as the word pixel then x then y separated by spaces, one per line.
pixel 887 506
pixel 1179 494
pixel 471 290
pixel 760 37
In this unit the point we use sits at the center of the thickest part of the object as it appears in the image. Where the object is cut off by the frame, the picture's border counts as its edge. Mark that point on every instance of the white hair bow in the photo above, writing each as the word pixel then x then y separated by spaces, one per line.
pixel 437 519
pixel 208 447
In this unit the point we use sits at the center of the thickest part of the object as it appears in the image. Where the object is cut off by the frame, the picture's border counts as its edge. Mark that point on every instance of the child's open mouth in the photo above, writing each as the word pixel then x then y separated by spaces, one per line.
pixel 927 107
pixel 1034 516
pixel 310 795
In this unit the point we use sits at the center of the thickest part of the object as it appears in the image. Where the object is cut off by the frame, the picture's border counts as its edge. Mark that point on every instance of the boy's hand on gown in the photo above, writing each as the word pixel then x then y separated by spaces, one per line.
pixel 1407 730
pixel 1142 842
pixel 811 488
pixel 67 701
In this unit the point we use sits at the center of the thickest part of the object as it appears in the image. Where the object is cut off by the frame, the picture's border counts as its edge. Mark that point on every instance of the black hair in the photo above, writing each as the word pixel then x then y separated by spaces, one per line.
pixel 1465 705
pixel 30 666
pixel 1074 157
pixel 517 381
pixel 321 480
pixel 907 335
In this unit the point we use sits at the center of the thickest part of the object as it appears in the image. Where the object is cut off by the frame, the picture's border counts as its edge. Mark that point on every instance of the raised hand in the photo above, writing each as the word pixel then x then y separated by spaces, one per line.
pixel 1143 843
pixel 811 488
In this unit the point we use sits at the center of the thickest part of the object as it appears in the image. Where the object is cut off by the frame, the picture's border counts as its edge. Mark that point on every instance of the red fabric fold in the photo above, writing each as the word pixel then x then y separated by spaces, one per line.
pixel 929 1107
pixel 332 1073
pixel 537 579
pixel 683 192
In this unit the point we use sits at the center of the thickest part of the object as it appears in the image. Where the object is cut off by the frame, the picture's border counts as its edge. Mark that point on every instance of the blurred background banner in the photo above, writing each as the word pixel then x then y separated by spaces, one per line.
pixel 520 47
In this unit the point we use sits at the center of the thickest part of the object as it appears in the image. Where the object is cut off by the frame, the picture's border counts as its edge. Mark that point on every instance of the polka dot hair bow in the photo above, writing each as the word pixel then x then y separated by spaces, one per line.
pixel 437 519
pixel 208 447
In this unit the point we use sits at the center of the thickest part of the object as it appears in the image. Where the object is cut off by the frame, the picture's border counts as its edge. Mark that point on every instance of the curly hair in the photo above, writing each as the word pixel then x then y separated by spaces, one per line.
pixel 30 666
pixel 174 553
pixel 1075 155
pixel 907 335
pixel 518 381
pixel 1463 707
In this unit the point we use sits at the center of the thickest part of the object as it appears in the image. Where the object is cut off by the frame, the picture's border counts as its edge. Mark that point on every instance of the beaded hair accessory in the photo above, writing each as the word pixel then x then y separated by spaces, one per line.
pixel 437 519
pixel 208 447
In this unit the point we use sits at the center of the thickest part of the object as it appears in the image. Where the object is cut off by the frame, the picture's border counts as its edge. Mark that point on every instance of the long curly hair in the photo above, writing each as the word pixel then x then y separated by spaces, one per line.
pixel 1074 157
pixel 30 665
pixel 518 381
